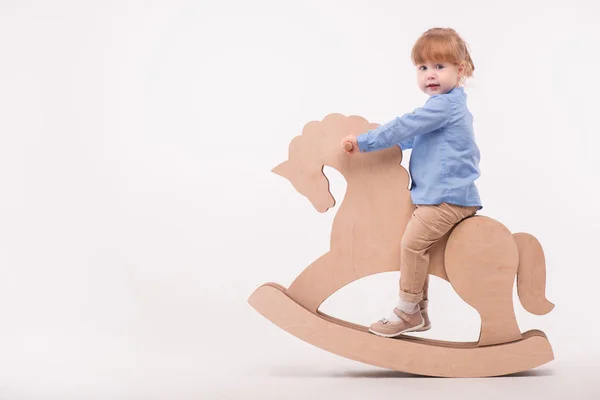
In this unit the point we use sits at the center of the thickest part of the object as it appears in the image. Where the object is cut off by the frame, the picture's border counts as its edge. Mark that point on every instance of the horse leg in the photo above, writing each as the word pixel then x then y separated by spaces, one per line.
pixel 334 270
pixel 317 282
pixel 495 306
pixel 481 262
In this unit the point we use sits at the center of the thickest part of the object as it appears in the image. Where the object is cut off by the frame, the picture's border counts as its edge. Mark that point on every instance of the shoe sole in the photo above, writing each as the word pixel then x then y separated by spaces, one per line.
pixel 391 335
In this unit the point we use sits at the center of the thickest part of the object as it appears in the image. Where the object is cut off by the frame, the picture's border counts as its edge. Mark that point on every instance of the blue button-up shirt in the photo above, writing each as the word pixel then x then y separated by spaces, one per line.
pixel 444 163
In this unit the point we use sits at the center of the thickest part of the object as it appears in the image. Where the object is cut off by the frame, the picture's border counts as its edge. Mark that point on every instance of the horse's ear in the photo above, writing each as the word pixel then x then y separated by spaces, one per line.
pixel 282 169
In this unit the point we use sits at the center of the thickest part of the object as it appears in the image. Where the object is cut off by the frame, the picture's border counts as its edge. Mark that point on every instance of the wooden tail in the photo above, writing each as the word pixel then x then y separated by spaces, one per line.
pixel 531 275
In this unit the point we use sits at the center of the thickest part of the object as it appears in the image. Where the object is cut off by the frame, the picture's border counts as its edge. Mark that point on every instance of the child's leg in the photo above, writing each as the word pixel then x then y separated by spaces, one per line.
pixel 424 306
pixel 427 225
pixel 426 288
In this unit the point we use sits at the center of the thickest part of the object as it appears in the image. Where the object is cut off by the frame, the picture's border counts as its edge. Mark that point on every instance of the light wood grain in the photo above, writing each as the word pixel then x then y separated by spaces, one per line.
pixel 412 355
pixel 480 257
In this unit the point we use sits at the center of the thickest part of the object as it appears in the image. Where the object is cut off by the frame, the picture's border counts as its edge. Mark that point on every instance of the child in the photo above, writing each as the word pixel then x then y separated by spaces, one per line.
pixel 443 166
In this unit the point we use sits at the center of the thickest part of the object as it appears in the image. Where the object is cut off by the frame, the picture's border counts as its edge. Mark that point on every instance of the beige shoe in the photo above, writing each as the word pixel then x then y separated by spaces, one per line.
pixel 423 306
pixel 407 323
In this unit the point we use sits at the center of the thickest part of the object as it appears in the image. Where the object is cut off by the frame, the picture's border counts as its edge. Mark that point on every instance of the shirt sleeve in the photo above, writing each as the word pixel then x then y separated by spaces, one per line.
pixel 406 144
pixel 434 115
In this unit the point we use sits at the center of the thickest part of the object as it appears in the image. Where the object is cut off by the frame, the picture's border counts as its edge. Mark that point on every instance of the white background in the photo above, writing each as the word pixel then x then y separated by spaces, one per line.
pixel 139 211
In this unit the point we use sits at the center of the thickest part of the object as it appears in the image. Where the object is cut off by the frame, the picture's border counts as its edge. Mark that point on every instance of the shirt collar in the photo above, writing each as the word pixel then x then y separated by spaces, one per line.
pixel 458 92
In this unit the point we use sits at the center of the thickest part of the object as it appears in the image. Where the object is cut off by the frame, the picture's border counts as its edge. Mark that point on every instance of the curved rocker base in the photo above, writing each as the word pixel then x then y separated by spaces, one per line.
pixel 407 354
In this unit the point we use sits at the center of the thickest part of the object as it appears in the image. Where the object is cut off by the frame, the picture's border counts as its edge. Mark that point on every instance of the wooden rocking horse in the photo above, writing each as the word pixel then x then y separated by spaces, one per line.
pixel 480 258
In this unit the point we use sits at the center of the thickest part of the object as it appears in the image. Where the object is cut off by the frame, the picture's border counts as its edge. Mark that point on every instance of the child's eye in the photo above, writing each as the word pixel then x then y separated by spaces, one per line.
pixel 422 68
pixel 439 66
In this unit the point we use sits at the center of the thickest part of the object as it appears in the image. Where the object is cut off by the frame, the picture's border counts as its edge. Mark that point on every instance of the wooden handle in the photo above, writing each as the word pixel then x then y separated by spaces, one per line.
pixel 348 146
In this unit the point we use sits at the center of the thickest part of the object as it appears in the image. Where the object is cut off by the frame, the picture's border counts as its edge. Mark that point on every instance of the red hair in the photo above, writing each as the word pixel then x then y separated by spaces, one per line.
pixel 443 45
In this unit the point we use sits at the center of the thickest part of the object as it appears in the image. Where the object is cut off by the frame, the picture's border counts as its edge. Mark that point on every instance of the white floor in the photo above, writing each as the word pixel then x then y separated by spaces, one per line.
pixel 353 381
pixel 321 380
pixel 245 369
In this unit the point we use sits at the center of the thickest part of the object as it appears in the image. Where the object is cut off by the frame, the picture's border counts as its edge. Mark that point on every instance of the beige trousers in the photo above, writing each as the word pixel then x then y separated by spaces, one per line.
pixel 428 224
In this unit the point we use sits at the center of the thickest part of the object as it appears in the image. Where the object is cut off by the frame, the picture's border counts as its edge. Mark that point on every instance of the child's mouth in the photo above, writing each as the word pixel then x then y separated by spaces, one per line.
pixel 433 86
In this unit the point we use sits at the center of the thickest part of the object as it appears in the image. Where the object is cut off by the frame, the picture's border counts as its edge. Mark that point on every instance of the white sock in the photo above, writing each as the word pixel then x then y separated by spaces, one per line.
pixel 405 306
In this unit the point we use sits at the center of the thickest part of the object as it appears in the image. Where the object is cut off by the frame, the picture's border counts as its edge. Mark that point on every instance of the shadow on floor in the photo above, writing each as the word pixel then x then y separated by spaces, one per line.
pixel 308 372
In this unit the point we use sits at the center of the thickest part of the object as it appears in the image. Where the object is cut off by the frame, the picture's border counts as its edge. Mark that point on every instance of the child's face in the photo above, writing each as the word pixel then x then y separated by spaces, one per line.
pixel 437 77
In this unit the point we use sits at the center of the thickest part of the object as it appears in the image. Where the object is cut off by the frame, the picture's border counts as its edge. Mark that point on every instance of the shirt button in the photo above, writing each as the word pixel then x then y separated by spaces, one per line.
pixel 364 150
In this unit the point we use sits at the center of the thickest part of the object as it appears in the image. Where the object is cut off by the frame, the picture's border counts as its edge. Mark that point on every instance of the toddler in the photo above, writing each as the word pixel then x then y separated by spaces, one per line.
pixel 444 165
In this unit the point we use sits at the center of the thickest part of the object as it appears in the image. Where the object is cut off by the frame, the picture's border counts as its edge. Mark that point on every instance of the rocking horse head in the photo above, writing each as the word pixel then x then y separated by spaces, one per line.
pixel 317 146
pixel 305 173
pixel 304 166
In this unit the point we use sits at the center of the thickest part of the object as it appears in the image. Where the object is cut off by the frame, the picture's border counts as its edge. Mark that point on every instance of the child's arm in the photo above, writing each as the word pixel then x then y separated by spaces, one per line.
pixel 402 130
pixel 406 144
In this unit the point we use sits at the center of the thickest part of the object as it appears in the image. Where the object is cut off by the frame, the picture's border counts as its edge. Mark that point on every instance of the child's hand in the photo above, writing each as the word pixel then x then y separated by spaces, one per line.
pixel 350 144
